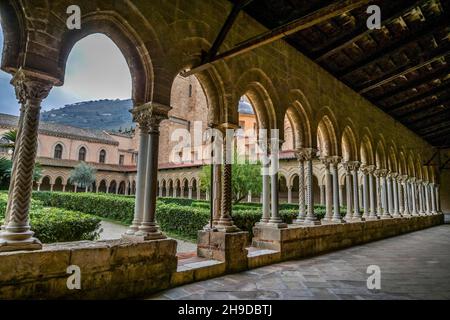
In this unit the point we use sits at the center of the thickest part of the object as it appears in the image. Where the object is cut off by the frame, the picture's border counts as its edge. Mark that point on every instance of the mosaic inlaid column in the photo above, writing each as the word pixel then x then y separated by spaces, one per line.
pixel 301 188
pixel 16 234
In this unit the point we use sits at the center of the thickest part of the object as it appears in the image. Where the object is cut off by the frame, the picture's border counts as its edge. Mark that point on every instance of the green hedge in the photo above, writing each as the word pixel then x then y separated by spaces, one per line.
pixel 179 216
pixel 56 224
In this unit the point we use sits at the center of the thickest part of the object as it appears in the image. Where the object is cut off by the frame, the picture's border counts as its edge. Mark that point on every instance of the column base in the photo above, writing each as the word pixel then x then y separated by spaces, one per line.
pixel 223 246
pixel 275 225
pixel 227 229
pixel 331 221
pixel 141 236
pixel 357 219
pixel 386 216
pixel 311 222
pixel 20 245
pixel 397 215
pixel 299 220
pixel 372 218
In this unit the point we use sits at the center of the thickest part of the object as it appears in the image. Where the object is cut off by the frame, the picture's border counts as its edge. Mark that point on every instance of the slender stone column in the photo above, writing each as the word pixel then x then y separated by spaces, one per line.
pixel 348 183
pixel 356 214
pixel 64 188
pixel 175 187
pixel 301 188
pixel 401 208
pixel 372 193
pixel 341 193
pixel 365 172
pixel 199 193
pixel 404 180
pixel 322 194
pixel 265 193
pixel 289 200
pixel 427 198
pixel 310 218
pixel 152 114
pixel 438 198
pixel 225 223
pixel 16 234
pixel 275 219
pixel 160 191
pixel 420 194
pixel 413 197
pixel 336 204
pixel 384 205
pixel 249 196
pixel 326 161
pixel 190 192
pixel 396 213
pixel 390 199
pixel 433 199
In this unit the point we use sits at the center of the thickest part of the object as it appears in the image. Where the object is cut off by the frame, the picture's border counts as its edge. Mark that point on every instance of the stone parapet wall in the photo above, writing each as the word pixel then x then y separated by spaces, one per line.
pixel 299 241
pixel 109 270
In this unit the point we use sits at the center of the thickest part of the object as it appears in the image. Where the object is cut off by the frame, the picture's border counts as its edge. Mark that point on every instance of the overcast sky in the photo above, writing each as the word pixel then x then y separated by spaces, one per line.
pixel 96 69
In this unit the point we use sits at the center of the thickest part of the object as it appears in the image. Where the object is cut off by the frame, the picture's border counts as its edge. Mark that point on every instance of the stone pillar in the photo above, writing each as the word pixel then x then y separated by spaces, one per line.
pixel 356 214
pixel 198 191
pixel 419 186
pixel 438 198
pixel 341 193
pixel 275 219
pixel 396 213
pixel 289 194
pixel 401 202
pixel 190 192
pixel 16 234
pixel 433 199
pixel 175 187
pixel 249 196
pixel 373 190
pixel 322 194
pixel 328 191
pixel 160 191
pixel 151 115
pixel 384 195
pixel 427 199
pixel 265 195
pixel 64 188
pixel 225 223
pixel 406 212
pixel 301 188
pixel 348 183
pixel 182 192
pixel 336 203
pixel 413 197
pixel 309 155
pixel 390 199
pixel 365 172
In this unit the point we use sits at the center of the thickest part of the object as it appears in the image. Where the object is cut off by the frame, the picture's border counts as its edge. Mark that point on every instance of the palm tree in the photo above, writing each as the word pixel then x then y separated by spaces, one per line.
pixel 11 137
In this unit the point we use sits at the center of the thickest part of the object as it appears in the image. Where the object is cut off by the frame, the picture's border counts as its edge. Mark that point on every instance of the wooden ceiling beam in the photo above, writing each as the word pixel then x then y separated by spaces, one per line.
pixel 441 72
pixel 339 44
pixel 323 14
pixel 413 65
pixel 436 129
pixel 425 116
pixel 414 99
pixel 424 108
pixel 397 46
pixel 431 121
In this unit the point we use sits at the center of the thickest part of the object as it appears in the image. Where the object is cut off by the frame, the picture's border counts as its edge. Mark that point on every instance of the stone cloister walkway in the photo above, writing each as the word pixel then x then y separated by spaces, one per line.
pixel 413 266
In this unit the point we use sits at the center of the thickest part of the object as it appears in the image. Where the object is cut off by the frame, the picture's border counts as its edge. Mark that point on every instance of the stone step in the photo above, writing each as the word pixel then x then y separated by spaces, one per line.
pixel 261 257
pixel 196 269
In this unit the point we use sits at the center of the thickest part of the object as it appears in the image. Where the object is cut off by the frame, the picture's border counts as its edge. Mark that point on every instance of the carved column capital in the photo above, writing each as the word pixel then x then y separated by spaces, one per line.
pixel 150 115
pixel 367 169
pixel 393 175
pixel 381 173
pixel 29 87
pixel 305 154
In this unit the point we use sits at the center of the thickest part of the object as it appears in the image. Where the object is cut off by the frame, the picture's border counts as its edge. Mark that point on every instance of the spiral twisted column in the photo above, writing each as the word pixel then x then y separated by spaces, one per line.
pixel 301 188
pixel 16 234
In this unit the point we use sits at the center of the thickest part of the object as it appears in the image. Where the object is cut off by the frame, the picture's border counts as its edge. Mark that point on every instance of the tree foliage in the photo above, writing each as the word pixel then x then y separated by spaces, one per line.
pixel 82 175
pixel 245 177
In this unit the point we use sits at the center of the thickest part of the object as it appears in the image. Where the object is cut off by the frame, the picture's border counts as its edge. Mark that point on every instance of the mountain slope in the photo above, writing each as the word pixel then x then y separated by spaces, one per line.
pixel 101 115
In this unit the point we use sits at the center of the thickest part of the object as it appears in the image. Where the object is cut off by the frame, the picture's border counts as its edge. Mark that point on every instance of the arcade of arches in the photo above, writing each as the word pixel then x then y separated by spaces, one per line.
pixel 344 150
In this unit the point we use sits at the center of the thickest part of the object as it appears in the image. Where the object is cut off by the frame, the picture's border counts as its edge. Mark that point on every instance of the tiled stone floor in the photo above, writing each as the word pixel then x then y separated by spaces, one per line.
pixel 413 266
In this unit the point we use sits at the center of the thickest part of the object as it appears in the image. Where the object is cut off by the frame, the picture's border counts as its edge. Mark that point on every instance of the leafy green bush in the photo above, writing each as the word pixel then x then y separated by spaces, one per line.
pixel 57 225
pixel 100 204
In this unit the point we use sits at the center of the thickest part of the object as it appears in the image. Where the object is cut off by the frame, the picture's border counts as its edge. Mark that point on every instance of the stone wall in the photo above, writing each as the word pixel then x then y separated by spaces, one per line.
pixel 109 270
pixel 298 241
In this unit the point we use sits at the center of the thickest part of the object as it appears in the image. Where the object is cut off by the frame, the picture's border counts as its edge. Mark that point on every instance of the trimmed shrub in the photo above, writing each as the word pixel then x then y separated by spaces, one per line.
pixel 57 225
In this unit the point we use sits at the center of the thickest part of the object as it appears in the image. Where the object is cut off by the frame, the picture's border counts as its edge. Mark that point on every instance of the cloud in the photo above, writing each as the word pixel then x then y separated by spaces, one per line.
pixel 96 69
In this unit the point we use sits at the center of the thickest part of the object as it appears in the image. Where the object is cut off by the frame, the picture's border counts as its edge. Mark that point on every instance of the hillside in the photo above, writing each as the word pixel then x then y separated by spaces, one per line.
pixel 101 115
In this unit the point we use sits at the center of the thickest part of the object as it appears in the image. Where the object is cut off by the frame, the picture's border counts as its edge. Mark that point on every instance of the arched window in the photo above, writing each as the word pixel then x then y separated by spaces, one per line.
pixel 102 157
pixel 58 151
pixel 82 154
